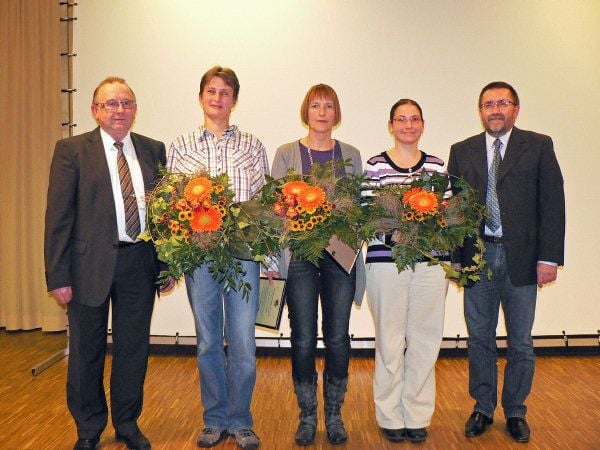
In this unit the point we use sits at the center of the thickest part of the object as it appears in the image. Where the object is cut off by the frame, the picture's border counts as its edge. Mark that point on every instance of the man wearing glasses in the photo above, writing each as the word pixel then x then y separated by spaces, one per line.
pixel 96 210
pixel 517 176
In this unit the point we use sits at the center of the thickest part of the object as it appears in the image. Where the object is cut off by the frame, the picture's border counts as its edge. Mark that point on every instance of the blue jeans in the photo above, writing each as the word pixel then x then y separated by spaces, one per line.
pixel 482 302
pixel 226 379
pixel 305 283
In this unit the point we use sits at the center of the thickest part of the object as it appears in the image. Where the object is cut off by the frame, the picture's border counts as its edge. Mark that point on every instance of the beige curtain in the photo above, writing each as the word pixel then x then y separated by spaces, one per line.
pixel 30 116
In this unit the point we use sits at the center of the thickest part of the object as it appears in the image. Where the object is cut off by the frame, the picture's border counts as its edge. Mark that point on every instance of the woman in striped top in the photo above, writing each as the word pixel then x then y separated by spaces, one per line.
pixel 407 307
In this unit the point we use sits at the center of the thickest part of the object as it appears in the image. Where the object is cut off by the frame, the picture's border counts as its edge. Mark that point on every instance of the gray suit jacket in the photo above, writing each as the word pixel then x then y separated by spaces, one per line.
pixel 531 197
pixel 81 238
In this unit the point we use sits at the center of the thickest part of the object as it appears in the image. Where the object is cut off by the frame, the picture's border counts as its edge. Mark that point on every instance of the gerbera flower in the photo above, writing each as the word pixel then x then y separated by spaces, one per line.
pixel 408 194
pixel 206 220
pixel 292 188
pixel 425 202
pixel 198 189
pixel 311 198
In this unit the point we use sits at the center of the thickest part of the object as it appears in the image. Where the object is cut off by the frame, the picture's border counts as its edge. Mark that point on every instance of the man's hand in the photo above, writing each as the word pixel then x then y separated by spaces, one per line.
pixel 63 295
pixel 167 286
pixel 546 274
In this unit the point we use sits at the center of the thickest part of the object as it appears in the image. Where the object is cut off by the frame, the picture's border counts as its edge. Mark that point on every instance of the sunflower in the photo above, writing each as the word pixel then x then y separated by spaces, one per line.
pixel 198 189
pixel 292 188
pixel 311 198
pixel 408 215
pixel 222 210
pixel 206 220
pixel 294 225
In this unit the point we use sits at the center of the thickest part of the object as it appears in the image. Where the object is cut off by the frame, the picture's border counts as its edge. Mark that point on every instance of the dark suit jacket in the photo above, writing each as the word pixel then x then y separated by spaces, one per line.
pixel 81 238
pixel 531 197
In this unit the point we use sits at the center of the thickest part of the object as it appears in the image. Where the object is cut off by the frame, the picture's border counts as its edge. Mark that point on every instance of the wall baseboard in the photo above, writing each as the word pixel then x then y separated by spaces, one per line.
pixel 555 345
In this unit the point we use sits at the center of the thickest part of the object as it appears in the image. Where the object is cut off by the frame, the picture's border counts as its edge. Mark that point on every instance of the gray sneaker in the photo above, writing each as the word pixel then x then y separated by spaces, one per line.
pixel 246 439
pixel 210 436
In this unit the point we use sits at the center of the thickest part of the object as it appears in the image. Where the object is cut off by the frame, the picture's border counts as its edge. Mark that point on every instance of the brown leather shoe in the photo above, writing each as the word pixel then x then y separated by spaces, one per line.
pixel 477 424
pixel 518 429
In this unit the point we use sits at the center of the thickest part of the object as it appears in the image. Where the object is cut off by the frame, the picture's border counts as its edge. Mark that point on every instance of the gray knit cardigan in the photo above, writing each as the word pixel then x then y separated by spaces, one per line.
pixel 288 157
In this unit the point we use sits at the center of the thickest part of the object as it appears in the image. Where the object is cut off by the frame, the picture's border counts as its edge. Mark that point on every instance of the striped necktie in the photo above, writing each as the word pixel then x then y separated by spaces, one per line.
pixel 491 202
pixel 132 216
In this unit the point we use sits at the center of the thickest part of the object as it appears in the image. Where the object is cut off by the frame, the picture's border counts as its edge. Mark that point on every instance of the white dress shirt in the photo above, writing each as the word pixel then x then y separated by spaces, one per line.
pixel 489 145
pixel 136 178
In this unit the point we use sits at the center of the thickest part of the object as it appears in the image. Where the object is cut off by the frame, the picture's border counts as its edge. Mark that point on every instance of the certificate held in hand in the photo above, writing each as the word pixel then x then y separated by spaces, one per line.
pixel 342 253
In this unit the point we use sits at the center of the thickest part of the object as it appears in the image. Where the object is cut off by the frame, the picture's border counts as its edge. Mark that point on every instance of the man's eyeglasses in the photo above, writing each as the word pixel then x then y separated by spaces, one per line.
pixel 502 104
pixel 113 105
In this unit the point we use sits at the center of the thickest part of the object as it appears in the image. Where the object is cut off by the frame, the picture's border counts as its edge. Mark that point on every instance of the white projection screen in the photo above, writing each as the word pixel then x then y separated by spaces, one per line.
pixel 373 52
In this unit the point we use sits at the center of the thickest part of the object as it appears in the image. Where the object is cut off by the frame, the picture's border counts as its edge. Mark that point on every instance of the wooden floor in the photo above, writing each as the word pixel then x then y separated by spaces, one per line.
pixel 564 407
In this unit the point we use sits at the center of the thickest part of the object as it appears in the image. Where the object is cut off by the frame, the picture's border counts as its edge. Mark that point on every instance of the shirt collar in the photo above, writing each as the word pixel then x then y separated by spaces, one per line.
pixel 232 130
pixel 489 139
pixel 108 142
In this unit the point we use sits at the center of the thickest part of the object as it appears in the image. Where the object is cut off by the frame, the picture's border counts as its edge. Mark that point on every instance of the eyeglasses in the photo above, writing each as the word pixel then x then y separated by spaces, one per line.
pixel 502 104
pixel 404 120
pixel 113 105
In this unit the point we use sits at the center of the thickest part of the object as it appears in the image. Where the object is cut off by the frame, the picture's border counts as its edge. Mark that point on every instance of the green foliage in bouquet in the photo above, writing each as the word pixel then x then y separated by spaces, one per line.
pixel 315 207
pixel 192 220
pixel 425 225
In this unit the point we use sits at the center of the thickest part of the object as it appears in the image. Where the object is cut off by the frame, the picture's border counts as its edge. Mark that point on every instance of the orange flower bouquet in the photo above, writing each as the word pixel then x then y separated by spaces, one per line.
pixel 313 208
pixel 192 220
pixel 425 226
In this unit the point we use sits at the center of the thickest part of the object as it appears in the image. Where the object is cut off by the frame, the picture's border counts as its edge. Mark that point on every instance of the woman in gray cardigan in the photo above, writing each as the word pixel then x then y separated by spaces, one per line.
pixel 320 111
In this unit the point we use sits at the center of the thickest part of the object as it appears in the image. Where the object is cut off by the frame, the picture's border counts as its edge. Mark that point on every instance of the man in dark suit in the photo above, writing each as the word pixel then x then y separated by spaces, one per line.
pixel 95 211
pixel 515 172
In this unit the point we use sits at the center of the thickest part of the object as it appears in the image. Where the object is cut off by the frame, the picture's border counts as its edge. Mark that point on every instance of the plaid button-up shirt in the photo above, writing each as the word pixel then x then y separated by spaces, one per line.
pixel 239 154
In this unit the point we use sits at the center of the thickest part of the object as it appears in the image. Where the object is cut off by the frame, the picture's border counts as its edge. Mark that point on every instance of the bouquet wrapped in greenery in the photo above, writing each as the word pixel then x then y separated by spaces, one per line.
pixel 315 207
pixel 192 220
pixel 425 225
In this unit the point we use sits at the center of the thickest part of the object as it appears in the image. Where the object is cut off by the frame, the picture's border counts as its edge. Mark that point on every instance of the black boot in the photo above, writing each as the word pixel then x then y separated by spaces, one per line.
pixel 306 392
pixel 334 390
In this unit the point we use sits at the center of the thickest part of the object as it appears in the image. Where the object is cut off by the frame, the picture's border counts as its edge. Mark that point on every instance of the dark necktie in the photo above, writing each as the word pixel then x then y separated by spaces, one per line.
pixel 132 216
pixel 491 201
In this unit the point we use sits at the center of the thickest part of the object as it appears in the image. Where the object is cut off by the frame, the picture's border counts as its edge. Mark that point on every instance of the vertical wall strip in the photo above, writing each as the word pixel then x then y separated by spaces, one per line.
pixel 67 17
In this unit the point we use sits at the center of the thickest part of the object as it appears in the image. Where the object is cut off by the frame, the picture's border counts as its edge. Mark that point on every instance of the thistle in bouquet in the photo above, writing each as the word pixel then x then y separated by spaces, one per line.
pixel 190 223
pixel 426 226
pixel 315 207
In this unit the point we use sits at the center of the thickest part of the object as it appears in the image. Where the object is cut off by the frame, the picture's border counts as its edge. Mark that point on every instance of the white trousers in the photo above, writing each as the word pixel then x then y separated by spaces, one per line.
pixel 408 311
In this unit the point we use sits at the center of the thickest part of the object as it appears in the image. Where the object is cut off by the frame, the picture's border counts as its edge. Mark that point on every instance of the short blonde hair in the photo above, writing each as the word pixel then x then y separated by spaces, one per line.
pixel 320 91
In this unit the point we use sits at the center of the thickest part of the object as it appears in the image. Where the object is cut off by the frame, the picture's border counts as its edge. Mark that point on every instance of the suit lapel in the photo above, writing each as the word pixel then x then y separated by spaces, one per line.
pixel 515 148
pixel 479 159
pixel 95 152
pixel 97 157
pixel 145 161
